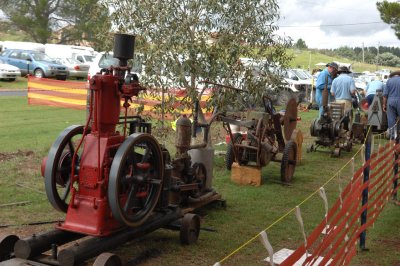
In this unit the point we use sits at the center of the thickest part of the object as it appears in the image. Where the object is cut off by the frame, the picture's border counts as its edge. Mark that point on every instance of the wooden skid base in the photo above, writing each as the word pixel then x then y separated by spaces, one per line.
pixel 246 175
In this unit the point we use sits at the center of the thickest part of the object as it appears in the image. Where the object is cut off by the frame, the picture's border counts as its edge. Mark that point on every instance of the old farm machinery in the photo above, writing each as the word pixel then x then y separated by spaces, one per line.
pixel 333 129
pixel 115 187
pixel 265 141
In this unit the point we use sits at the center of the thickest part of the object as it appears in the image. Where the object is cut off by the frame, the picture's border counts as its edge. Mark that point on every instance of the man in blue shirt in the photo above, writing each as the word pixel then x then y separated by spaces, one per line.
pixel 391 101
pixel 343 87
pixel 325 80
pixel 372 87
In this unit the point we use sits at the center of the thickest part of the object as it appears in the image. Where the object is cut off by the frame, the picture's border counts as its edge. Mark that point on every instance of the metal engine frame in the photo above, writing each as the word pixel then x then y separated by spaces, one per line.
pixel 333 129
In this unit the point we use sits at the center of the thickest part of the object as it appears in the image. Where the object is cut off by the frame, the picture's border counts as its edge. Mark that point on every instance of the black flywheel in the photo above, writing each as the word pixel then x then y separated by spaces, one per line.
pixel 57 174
pixel 136 178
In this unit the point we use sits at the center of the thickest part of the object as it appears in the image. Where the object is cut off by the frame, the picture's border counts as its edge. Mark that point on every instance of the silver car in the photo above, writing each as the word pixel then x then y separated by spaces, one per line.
pixel 76 69
pixel 9 72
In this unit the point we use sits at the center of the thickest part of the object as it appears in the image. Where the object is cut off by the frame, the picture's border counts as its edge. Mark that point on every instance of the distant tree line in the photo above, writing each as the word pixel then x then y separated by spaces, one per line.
pixel 388 56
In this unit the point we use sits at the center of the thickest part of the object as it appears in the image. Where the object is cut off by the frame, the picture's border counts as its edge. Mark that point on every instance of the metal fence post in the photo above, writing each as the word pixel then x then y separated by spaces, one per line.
pixel 365 191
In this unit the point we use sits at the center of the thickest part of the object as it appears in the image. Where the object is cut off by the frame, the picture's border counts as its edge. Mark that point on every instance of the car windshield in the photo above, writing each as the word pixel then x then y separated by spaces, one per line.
pixel 41 57
pixel 88 58
pixel 300 74
pixel 73 61
pixel 2 62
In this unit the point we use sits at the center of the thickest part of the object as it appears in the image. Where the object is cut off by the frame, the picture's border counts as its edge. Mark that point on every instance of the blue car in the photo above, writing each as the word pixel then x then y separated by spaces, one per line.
pixel 38 64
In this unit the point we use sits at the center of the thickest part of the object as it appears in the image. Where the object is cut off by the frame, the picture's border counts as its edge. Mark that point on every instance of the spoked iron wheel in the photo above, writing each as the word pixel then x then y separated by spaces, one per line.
pixel 58 168
pixel 230 156
pixel 136 177
pixel 288 164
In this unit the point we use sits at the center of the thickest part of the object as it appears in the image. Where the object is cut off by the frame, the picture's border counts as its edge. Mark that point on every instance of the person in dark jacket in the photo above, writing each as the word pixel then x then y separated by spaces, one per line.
pixel 391 101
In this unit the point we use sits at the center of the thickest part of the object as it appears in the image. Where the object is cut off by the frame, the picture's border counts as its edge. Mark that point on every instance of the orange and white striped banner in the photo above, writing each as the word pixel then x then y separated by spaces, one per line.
pixel 73 94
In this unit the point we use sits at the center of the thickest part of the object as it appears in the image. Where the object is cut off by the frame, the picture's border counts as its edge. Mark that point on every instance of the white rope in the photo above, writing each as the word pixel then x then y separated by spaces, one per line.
pixel 340 190
pixel 268 247
pixel 300 220
pixel 322 194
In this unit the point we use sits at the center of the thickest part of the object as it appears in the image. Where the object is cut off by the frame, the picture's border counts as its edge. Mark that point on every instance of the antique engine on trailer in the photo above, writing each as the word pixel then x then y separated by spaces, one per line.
pixel 104 180
pixel 333 128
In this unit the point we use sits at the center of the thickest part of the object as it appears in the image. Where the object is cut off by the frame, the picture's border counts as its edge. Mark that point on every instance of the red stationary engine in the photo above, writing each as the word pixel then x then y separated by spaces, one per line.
pixel 103 180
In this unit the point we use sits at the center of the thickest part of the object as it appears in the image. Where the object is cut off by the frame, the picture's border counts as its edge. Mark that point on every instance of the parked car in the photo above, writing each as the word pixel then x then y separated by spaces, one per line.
pixel 37 63
pixel 100 61
pixel 9 72
pixel 76 69
pixel 296 84
pixel 106 59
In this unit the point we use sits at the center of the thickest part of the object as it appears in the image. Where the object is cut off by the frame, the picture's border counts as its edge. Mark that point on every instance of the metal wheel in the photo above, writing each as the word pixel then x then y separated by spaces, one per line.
pixel 290 119
pixel 199 177
pixel 7 243
pixel 230 156
pixel 38 73
pixel 310 148
pixel 336 153
pixel 190 229
pixel 288 163
pixel 136 178
pixel 349 146
pixel 59 167
pixel 107 259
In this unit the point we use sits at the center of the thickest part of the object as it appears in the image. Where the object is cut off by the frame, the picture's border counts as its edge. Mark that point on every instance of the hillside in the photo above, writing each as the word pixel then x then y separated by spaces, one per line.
pixel 302 58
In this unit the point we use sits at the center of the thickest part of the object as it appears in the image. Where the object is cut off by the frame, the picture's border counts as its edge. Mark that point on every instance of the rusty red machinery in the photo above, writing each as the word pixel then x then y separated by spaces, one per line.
pixel 114 186
pixel 265 140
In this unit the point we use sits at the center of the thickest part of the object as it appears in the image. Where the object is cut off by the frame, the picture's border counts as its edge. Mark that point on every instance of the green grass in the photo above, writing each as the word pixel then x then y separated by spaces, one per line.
pixel 27 132
pixel 19 83
pixel 302 59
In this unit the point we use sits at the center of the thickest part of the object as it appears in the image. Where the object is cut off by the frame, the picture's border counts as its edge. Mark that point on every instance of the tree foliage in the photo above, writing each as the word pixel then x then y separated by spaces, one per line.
pixel 388 59
pixel 185 41
pixel 80 19
pixel 301 44
pixel 390 14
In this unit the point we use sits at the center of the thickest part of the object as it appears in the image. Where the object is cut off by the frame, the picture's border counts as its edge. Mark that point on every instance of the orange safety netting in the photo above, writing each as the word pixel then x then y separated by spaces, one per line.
pixel 73 94
pixel 334 240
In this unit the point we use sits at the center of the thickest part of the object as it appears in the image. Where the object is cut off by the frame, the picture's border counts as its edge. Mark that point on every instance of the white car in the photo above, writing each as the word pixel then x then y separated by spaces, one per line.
pixel 104 60
pixel 9 72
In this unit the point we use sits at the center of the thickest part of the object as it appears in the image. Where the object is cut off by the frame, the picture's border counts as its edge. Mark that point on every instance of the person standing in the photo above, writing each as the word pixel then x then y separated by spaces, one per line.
pixel 343 87
pixel 371 89
pixel 391 101
pixel 325 79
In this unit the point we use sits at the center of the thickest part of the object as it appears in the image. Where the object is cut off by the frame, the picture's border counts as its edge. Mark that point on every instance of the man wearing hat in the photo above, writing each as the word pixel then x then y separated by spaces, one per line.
pixel 343 87
pixel 325 79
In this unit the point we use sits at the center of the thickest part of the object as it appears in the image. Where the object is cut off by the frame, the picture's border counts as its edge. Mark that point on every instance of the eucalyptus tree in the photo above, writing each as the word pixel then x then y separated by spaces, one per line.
pixel 183 42
pixel 390 14
pixel 39 19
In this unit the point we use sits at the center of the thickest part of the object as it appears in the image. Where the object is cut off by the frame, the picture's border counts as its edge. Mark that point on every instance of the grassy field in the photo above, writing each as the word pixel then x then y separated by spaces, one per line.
pixel 302 60
pixel 27 132
pixel 20 83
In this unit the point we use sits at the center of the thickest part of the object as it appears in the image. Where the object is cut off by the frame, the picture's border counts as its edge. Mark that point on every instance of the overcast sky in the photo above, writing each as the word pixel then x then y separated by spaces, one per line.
pixel 306 20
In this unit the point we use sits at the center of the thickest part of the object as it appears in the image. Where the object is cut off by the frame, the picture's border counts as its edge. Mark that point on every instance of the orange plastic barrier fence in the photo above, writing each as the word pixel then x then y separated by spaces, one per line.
pixel 342 226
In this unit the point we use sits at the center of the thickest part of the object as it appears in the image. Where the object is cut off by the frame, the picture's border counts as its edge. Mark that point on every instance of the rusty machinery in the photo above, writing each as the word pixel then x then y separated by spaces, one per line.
pixel 333 128
pixel 115 187
pixel 265 139
pixel 376 117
